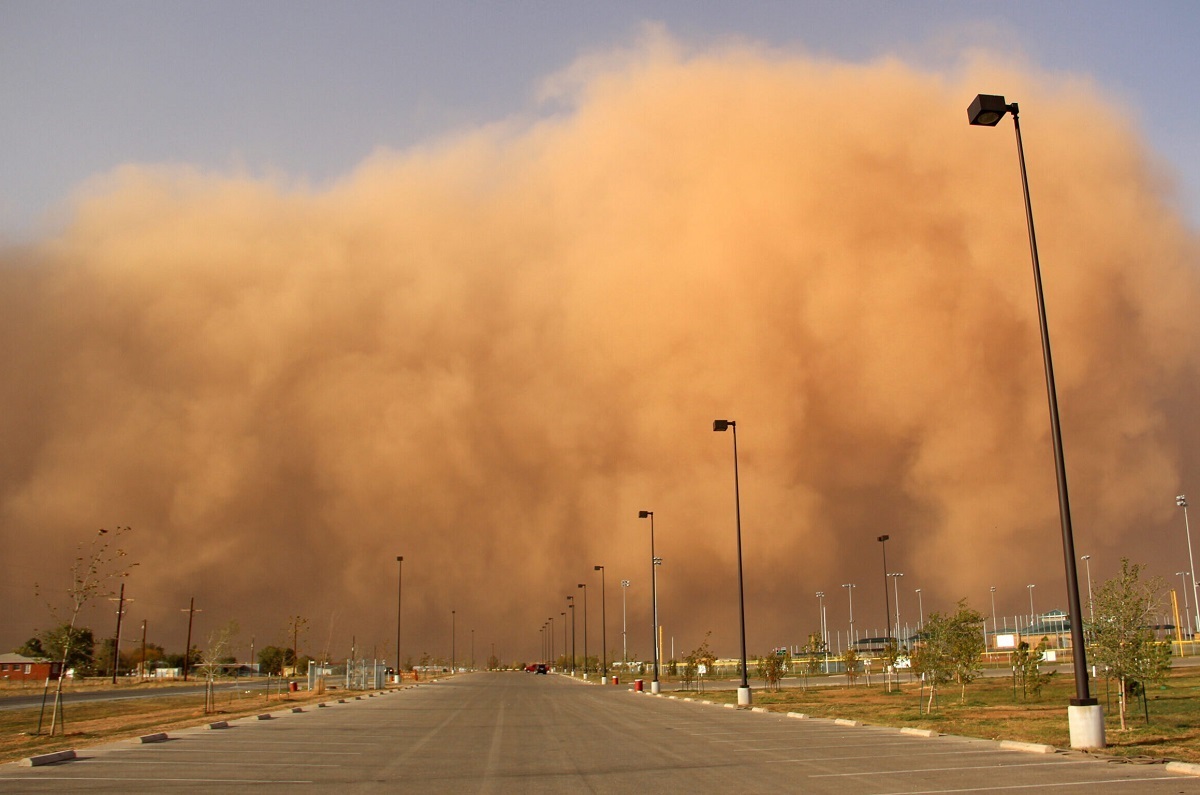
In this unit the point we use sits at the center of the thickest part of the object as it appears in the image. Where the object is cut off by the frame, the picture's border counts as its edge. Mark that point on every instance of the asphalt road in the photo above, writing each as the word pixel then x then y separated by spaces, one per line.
pixel 517 732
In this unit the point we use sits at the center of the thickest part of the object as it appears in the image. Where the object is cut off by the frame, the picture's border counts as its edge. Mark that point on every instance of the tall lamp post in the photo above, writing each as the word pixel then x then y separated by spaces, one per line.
pixel 624 643
pixel 550 636
pixel 453 617
pixel 824 630
pixel 603 628
pixel 1087 564
pixel 1182 502
pixel 995 626
pixel 399 602
pixel 563 614
pixel 1085 716
pixel 654 683
pixel 1187 610
pixel 583 585
pixel 744 689
pixel 1032 614
pixel 896 575
pixel 921 611
pixel 849 586
pixel 887 610
pixel 571 607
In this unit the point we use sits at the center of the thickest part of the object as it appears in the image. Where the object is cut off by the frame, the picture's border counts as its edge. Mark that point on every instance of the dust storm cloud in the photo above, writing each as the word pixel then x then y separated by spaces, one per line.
pixel 488 353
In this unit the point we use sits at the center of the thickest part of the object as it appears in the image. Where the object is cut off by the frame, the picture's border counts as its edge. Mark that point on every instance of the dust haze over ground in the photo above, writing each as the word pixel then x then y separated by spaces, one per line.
pixel 487 354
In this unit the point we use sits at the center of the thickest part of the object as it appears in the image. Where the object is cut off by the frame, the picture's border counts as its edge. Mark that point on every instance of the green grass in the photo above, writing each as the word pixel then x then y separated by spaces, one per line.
pixel 990 712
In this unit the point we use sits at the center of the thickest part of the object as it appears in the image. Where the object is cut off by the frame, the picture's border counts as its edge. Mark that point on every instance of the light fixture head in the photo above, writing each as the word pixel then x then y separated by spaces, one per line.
pixel 883 538
pixel 986 110
pixel 645 514
pixel 598 568
pixel 1181 501
pixel 722 425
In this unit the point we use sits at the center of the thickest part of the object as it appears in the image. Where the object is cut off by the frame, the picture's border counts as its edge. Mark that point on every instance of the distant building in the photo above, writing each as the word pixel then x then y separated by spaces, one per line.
pixel 19 668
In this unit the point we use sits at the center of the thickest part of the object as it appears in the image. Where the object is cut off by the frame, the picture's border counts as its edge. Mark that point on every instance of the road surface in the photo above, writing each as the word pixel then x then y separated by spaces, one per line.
pixel 524 733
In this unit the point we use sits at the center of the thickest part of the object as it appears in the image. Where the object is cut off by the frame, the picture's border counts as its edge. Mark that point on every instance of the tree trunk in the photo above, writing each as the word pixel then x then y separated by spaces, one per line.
pixel 1121 702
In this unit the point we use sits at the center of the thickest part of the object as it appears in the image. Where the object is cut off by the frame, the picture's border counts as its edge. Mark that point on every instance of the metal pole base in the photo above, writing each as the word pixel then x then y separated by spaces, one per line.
pixel 1087 726
pixel 743 696
pixel 655 688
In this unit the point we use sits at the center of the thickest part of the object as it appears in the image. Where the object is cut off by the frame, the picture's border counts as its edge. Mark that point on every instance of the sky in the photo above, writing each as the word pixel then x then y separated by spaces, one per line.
pixel 292 288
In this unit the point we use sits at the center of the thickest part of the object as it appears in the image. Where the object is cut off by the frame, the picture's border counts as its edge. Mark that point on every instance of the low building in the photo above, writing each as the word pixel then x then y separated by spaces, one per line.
pixel 19 668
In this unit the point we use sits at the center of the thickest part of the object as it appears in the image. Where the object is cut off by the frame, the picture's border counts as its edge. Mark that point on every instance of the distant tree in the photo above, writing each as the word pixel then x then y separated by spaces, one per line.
pixel 1026 663
pixel 31 648
pixel 94 570
pixel 891 653
pixel 78 644
pixel 273 659
pixel 850 662
pixel 773 667
pixel 493 663
pixel 815 651
pixel 698 664
pixel 1123 642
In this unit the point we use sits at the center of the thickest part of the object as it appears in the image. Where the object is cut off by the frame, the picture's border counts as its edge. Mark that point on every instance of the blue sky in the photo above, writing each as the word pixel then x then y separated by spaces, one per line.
pixel 306 90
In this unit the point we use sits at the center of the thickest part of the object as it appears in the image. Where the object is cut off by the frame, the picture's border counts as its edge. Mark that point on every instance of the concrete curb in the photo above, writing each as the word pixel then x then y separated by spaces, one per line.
pixel 264 716
pixel 46 759
pixel 1186 768
pixel 846 722
pixel 158 737
pixel 800 715
pixel 1032 748
pixel 918 732
pixel 221 724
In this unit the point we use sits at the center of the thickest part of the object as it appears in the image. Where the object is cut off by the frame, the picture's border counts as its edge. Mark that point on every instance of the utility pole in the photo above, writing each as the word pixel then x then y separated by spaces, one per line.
pixel 187 652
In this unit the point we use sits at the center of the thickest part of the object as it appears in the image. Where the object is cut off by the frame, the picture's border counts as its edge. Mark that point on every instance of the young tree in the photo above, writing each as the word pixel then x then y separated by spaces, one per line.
pixel 850 661
pixel 966 647
pixel 773 667
pixel 815 651
pixel 1123 641
pixel 1026 670
pixel 699 664
pixel 219 643
pixel 94 570
pixel 951 650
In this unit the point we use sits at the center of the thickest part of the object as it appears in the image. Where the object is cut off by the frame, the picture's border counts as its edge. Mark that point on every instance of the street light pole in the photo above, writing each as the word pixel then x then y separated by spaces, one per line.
pixel 994 625
pixel 849 586
pixel 563 614
pixel 921 611
pixel 1085 715
pixel 583 585
pixel 1182 502
pixel 896 575
pixel 571 607
pixel 887 610
pixel 744 690
pixel 399 603
pixel 1186 610
pixel 654 683
pixel 603 628
pixel 824 631
pixel 1087 564
pixel 453 617
pixel 624 644
pixel 1032 614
